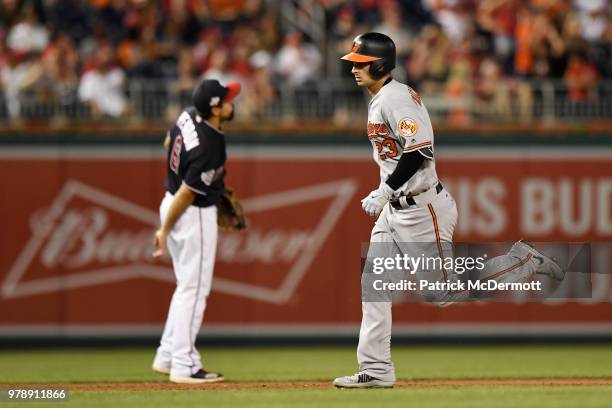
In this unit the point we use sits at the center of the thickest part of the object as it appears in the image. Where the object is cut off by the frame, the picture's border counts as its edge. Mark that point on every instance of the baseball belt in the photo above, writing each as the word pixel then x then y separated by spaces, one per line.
pixel 403 202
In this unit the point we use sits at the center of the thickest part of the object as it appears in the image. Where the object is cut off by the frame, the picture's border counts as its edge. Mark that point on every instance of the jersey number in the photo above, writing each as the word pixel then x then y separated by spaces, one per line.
pixel 175 157
pixel 387 149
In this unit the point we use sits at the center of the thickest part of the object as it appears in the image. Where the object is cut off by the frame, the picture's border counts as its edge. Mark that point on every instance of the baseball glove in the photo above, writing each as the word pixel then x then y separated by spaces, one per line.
pixel 230 215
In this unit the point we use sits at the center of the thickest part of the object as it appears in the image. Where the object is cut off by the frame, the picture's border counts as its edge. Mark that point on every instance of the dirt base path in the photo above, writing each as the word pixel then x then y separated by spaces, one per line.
pixel 303 385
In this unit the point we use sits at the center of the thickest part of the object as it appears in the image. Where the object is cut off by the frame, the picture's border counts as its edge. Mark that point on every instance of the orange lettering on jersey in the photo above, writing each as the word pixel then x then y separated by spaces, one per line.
pixel 376 130
pixel 379 134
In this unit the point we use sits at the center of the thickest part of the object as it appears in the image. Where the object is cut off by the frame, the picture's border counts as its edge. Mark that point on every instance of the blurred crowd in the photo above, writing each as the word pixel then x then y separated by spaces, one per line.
pixel 87 51
pixel 488 53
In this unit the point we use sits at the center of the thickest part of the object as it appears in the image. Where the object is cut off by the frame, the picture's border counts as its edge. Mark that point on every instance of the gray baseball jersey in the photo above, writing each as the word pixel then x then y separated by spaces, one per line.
pixel 398 122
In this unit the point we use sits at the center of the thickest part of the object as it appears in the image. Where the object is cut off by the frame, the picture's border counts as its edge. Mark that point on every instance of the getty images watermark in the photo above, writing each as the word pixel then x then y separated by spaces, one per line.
pixel 446 273
pixel 458 265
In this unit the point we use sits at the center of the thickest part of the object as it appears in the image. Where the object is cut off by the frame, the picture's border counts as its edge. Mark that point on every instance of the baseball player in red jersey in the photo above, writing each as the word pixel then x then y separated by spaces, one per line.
pixel 411 205
pixel 194 185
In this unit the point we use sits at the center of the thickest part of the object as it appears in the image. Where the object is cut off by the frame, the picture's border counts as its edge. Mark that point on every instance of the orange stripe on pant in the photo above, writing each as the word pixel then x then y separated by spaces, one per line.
pixel 511 268
pixel 497 274
pixel 435 221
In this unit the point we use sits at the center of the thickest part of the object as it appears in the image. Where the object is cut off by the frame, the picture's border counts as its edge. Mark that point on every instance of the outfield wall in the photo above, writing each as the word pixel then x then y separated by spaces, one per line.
pixel 78 223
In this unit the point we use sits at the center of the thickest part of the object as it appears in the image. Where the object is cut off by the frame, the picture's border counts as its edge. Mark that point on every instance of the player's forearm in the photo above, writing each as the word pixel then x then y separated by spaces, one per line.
pixel 182 200
pixel 407 166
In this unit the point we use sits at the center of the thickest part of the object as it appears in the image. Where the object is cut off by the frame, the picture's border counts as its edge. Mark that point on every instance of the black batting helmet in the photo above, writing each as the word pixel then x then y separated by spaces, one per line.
pixel 376 48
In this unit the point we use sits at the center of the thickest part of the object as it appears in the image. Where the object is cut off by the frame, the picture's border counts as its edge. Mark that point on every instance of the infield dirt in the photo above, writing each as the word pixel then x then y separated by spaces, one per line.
pixel 236 385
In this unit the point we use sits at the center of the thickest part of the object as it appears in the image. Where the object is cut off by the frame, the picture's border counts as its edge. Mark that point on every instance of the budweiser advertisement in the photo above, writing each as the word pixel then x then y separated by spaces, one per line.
pixel 78 226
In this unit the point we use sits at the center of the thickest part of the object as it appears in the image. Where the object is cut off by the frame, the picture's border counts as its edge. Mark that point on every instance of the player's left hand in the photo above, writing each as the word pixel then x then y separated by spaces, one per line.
pixel 374 203
pixel 160 243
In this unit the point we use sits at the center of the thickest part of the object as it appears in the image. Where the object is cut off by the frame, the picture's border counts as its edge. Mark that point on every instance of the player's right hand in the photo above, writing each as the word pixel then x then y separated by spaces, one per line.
pixel 160 244
pixel 373 206
pixel 374 202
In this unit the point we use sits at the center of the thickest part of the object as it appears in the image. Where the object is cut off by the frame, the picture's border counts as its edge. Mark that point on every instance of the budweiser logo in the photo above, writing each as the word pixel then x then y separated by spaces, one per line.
pixel 83 237
pixel 96 238
pixel 256 245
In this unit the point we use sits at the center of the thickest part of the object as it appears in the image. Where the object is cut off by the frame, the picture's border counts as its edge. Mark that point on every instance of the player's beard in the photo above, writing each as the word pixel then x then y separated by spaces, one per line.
pixel 231 115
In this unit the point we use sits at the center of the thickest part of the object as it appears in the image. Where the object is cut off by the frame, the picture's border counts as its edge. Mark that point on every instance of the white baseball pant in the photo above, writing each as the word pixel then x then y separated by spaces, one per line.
pixel 192 244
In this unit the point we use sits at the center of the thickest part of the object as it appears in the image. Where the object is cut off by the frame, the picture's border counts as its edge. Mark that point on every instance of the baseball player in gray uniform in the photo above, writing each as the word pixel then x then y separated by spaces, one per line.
pixel 411 205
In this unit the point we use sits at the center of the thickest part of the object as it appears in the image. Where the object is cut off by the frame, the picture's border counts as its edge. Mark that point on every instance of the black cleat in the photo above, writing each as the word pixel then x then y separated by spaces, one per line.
pixel 201 377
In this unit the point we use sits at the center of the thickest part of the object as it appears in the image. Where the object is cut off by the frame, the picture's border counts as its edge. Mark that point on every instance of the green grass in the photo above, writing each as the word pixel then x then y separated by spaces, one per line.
pixel 444 397
pixel 312 363
pixel 325 363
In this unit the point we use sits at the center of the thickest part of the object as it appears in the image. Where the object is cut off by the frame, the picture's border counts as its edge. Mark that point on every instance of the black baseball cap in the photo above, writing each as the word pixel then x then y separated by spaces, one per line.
pixel 210 93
